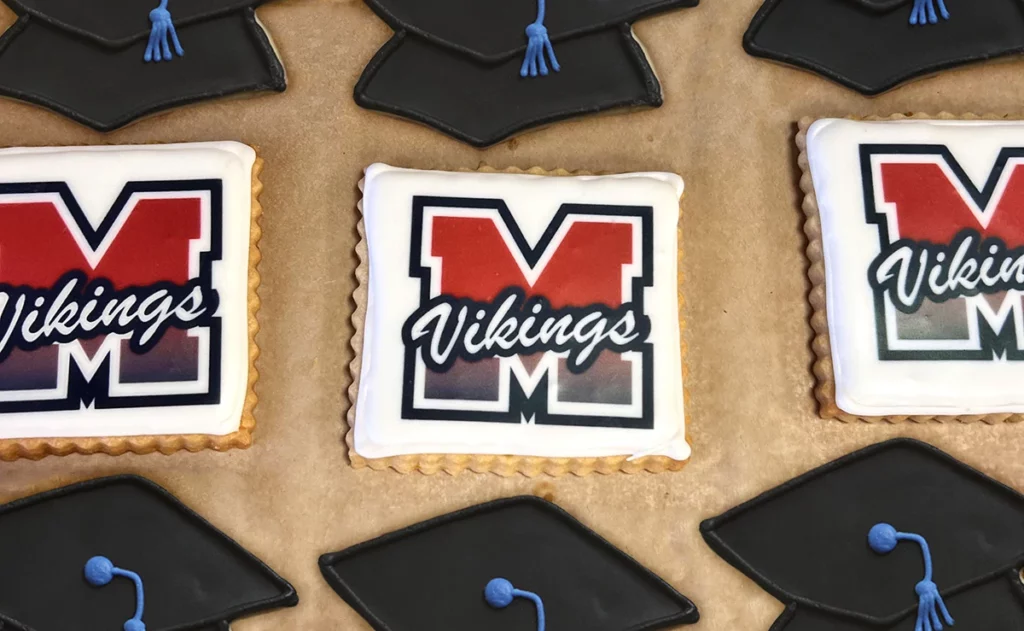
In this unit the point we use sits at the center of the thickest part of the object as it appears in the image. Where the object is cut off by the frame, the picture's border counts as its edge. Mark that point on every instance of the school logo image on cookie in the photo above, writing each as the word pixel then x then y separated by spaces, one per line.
pixel 115 315
pixel 554 333
pixel 948 279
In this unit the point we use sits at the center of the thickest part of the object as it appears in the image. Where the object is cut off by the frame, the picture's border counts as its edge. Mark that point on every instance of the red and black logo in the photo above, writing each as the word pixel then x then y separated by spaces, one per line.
pixel 114 315
pixel 949 277
pixel 554 333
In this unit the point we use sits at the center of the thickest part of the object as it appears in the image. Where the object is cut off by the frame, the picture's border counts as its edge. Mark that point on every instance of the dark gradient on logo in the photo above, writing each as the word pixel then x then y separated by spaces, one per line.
pixel 935 321
pixel 609 380
pixel 174 358
pixel 29 370
pixel 474 381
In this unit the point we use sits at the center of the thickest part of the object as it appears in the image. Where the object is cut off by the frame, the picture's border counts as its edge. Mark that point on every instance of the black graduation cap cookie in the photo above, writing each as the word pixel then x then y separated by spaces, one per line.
pixel 485 71
pixel 515 564
pixel 106 64
pixel 896 537
pixel 875 45
pixel 122 553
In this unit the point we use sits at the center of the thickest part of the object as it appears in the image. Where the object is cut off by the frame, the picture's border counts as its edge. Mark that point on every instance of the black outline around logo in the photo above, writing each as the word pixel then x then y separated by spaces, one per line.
pixel 535 404
pixel 95 391
pixel 1000 343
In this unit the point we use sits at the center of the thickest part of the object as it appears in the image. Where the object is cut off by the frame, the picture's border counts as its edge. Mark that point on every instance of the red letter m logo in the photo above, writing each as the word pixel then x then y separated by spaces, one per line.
pixel 586 256
pixel 156 235
pixel 921 195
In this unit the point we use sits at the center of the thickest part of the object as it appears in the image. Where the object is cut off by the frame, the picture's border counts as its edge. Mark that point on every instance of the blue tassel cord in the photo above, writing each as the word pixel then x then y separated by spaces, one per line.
pixel 539 44
pixel 500 593
pixel 924 12
pixel 883 539
pixel 100 571
pixel 162 35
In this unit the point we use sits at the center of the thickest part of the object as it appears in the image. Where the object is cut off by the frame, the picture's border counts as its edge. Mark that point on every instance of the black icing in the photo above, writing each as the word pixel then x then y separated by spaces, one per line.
pixel 870 46
pixel 454 64
pixel 101 80
pixel 993 606
pixel 805 542
pixel 195 577
pixel 122 21
pixel 483 104
pixel 431 576
pixel 494 32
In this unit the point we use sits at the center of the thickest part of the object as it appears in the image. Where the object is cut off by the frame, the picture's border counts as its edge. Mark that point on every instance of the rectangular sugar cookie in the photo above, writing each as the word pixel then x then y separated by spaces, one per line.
pixel 518 322
pixel 127 298
pixel 917 265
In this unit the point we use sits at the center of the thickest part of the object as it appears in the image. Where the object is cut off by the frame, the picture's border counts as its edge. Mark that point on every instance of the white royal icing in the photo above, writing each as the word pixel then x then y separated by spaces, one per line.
pixel 936 360
pixel 96 178
pixel 388 397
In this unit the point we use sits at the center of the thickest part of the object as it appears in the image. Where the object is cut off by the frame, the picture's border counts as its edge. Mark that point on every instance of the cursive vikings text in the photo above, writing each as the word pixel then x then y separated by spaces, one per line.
pixel 76 308
pixel 449 328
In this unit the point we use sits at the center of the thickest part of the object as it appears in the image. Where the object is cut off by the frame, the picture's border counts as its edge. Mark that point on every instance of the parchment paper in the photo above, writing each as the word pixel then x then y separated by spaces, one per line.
pixel 727 127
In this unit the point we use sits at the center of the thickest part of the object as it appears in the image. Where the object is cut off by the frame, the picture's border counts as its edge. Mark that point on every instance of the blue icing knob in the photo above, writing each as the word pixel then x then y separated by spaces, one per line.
pixel 99 571
pixel 882 538
pixel 499 593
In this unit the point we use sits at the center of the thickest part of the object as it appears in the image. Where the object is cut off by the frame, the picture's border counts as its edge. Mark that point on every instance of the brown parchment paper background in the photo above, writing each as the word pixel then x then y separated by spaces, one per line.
pixel 727 126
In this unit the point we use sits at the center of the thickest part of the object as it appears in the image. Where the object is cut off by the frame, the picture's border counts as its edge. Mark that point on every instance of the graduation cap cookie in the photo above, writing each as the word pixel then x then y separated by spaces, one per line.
pixel 107 64
pixel 484 71
pixel 511 565
pixel 121 552
pixel 875 45
pixel 896 537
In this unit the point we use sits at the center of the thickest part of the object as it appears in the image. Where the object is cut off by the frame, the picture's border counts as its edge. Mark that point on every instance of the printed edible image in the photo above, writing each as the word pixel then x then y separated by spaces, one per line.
pixel 948 280
pixel 509 332
pixel 117 315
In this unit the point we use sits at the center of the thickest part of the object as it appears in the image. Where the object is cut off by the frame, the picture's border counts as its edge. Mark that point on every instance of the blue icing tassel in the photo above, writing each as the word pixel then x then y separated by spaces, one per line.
pixel 924 12
pixel 883 539
pixel 99 571
pixel 500 593
pixel 162 35
pixel 539 43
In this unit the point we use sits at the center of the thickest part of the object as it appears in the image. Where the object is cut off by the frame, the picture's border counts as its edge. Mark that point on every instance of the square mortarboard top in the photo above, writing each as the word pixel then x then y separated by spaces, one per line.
pixel 192 576
pixel 807 543
pixel 433 576
pixel 86 60
pixel 457 65
pixel 872 45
